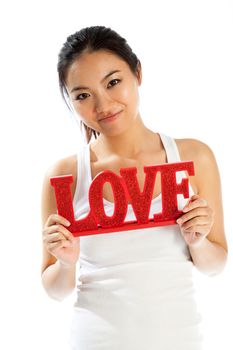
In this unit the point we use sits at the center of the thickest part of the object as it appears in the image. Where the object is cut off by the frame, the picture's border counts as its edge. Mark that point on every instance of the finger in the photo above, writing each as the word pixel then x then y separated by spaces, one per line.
pixel 199 202
pixel 193 198
pixel 200 220
pixel 192 237
pixel 66 233
pixel 49 230
pixel 200 229
pixel 58 228
pixel 56 218
pixel 200 211
pixel 60 244
pixel 54 237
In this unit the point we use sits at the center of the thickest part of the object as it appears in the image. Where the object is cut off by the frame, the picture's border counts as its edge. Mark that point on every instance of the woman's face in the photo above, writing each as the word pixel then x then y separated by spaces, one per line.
pixel 96 91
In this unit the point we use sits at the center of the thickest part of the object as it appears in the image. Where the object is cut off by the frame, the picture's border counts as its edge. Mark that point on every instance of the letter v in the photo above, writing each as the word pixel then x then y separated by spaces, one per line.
pixel 141 202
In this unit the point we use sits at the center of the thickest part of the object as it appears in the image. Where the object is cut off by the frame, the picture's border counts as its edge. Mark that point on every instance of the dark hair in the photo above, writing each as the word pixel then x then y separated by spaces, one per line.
pixel 88 40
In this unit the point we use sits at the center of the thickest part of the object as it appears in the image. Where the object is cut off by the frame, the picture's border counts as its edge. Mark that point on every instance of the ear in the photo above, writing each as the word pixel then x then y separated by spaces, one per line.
pixel 139 72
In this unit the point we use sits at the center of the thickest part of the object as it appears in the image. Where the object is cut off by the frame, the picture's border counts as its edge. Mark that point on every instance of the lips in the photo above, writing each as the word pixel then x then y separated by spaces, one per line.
pixel 110 115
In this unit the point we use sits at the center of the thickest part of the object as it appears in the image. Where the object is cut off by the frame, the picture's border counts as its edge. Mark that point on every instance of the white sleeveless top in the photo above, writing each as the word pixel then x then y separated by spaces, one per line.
pixel 136 289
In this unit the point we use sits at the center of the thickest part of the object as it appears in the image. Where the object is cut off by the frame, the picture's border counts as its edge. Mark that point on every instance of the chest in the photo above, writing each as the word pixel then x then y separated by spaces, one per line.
pixel 115 164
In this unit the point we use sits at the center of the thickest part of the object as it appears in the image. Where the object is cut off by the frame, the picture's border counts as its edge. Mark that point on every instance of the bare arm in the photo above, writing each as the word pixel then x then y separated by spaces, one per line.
pixel 59 280
pixel 205 216
pixel 60 249
pixel 209 258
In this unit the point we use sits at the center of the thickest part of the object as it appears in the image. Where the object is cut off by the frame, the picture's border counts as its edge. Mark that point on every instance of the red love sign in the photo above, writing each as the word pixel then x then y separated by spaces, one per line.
pixel 124 187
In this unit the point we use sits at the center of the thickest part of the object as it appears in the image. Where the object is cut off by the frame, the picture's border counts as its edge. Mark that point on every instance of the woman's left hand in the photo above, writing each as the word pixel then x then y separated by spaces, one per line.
pixel 197 221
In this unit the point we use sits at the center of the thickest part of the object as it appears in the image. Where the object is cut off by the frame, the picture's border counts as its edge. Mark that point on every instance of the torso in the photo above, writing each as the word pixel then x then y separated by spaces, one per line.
pixel 115 163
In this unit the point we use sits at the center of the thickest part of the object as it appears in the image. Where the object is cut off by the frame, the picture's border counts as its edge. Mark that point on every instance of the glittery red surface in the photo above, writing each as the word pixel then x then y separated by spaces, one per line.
pixel 141 202
pixel 96 199
pixel 124 186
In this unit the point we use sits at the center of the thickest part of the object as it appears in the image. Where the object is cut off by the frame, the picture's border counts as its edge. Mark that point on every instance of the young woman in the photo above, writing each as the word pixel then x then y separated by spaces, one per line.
pixel 136 289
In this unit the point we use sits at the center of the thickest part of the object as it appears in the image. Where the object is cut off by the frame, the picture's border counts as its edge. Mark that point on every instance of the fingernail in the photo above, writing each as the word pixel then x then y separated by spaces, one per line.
pixel 179 221
pixel 67 223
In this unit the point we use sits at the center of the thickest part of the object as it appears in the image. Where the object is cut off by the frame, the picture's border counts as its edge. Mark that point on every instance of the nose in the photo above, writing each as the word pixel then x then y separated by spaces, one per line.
pixel 104 105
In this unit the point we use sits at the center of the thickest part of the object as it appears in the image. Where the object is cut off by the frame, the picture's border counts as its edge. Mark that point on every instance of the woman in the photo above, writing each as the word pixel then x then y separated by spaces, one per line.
pixel 136 288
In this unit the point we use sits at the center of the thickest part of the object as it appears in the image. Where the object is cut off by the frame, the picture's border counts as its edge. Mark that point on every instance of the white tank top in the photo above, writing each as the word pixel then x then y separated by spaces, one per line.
pixel 136 288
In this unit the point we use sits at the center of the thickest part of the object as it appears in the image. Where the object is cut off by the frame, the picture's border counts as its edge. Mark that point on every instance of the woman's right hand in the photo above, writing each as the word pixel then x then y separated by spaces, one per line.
pixel 59 241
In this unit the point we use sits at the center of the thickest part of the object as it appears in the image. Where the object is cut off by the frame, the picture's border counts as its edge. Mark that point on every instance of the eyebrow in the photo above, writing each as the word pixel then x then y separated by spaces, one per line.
pixel 84 87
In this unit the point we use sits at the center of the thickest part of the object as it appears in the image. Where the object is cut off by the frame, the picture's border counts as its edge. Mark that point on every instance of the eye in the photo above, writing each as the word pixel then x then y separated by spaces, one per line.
pixel 115 80
pixel 77 98
pixel 81 99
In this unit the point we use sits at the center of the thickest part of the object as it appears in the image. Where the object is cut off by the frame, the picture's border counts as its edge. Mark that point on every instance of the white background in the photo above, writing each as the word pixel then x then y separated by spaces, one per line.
pixel 185 48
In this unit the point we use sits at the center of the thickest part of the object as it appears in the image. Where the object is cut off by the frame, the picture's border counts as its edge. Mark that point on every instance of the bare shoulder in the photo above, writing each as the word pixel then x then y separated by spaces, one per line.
pixel 64 166
pixel 202 156
pixel 194 148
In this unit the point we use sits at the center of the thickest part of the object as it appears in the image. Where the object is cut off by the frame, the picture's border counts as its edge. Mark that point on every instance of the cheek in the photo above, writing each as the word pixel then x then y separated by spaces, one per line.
pixel 124 94
pixel 129 93
pixel 84 110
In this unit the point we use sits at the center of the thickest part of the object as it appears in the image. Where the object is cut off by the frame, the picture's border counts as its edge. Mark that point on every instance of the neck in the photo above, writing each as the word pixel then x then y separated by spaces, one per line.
pixel 129 143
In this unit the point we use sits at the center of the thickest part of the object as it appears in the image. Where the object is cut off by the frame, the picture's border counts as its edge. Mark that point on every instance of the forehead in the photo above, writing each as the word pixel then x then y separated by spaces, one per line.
pixel 92 66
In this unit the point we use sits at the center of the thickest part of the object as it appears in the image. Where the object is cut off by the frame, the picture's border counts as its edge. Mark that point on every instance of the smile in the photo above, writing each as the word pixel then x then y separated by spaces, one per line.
pixel 110 119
